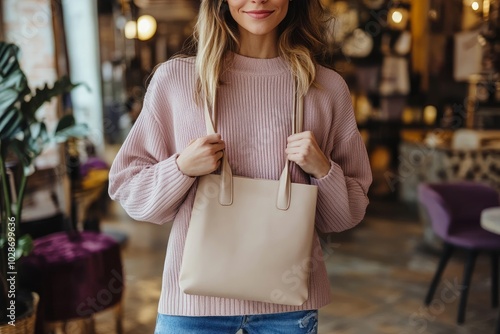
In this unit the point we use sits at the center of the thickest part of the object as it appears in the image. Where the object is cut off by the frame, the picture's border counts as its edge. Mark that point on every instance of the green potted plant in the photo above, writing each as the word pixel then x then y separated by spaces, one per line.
pixel 23 137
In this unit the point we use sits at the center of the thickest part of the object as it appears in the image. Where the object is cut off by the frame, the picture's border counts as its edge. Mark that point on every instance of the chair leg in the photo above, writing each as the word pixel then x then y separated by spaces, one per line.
pixel 494 280
pixel 497 330
pixel 119 318
pixel 469 268
pixel 92 325
pixel 445 256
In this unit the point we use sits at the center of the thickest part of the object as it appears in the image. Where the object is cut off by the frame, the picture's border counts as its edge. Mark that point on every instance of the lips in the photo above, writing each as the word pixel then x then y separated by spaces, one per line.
pixel 259 14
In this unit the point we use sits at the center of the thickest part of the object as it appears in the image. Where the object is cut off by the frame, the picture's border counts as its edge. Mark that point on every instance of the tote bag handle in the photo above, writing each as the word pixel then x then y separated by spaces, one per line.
pixel 284 191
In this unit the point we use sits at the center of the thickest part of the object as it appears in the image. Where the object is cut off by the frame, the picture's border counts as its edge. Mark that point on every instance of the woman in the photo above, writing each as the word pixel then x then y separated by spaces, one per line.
pixel 249 52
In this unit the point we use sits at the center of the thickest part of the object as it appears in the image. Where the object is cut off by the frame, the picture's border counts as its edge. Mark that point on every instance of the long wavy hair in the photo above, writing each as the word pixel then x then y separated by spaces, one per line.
pixel 302 43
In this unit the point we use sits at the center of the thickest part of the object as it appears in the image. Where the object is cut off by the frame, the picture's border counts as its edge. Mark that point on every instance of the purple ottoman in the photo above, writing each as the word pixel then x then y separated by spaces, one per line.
pixel 75 276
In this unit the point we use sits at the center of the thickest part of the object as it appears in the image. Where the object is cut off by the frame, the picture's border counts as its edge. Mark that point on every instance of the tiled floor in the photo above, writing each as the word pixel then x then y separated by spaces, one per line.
pixel 379 274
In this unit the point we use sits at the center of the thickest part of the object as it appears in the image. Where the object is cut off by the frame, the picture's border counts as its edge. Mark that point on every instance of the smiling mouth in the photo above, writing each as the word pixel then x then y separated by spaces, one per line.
pixel 259 14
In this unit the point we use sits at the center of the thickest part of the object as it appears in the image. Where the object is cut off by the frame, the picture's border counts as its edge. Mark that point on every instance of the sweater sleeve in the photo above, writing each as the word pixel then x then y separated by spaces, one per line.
pixel 342 193
pixel 144 176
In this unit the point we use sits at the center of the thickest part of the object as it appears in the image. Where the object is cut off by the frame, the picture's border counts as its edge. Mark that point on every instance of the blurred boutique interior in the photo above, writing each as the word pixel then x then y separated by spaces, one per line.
pixel 424 77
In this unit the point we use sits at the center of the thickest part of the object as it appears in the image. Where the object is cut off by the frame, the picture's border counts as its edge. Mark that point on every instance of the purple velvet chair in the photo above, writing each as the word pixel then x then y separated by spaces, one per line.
pixel 454 210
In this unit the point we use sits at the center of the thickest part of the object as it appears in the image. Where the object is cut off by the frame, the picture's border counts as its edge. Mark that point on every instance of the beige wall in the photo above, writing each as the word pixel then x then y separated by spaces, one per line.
pixel 28 23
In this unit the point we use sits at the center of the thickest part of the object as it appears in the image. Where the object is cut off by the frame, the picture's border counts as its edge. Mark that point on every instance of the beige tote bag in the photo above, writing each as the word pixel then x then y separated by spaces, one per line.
pixel 247 237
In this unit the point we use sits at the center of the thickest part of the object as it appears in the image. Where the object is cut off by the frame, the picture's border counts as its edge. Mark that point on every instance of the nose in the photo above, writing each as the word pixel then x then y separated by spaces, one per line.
pixel 259 1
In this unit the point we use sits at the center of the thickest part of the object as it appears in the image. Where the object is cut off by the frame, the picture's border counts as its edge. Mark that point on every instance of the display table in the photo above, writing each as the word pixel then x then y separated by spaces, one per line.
pixel 490 221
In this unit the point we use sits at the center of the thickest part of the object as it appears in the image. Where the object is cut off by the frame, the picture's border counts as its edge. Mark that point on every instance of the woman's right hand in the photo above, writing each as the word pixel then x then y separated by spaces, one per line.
pixel 202 156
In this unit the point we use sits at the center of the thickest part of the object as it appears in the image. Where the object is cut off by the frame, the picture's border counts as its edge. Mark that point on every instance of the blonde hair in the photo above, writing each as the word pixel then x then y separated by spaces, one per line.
pixel 302 43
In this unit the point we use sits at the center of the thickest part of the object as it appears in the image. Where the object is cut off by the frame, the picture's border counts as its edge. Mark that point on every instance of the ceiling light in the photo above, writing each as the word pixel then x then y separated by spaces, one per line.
pixel 430 114
pixel 146 27
pixel 131 29
pixel 397 17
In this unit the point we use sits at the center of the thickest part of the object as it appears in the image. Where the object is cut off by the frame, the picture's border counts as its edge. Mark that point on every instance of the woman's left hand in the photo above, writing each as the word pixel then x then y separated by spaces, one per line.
pixel 303 149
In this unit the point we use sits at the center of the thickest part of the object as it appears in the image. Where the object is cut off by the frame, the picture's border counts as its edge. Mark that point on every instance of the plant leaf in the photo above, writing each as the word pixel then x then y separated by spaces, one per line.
pixel 37 139
pixel 8 56
pixel 13 84
pixel 24 246
pixel 19 149
pixel 29 170
pixel 75 131
pixel 10 70
pixel 14 79
pixel 38 130
pixel 45 94
pixel 11 122
pixel 5 54
pixel 65 122
pixel 8 97
pixel 25 155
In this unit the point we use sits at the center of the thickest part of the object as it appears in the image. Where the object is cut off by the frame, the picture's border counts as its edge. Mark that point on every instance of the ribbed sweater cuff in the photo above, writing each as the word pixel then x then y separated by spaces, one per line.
pixel 333 187
pixel 174 185
pixel 329 179
pixel 170 169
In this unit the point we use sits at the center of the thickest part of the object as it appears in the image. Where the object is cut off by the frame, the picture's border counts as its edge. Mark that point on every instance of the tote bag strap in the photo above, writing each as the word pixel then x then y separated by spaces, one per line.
pixel 285 187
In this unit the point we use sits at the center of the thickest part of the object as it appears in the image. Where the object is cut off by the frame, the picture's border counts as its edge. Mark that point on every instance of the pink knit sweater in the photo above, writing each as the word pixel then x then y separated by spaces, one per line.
pixel 254 108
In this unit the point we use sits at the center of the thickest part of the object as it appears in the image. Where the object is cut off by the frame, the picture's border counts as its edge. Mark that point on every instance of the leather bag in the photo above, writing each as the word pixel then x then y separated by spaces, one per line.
pixel 250 239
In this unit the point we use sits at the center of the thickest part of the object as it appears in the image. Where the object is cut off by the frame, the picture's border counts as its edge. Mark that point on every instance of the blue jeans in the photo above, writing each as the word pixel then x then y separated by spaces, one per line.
pixel 301 322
